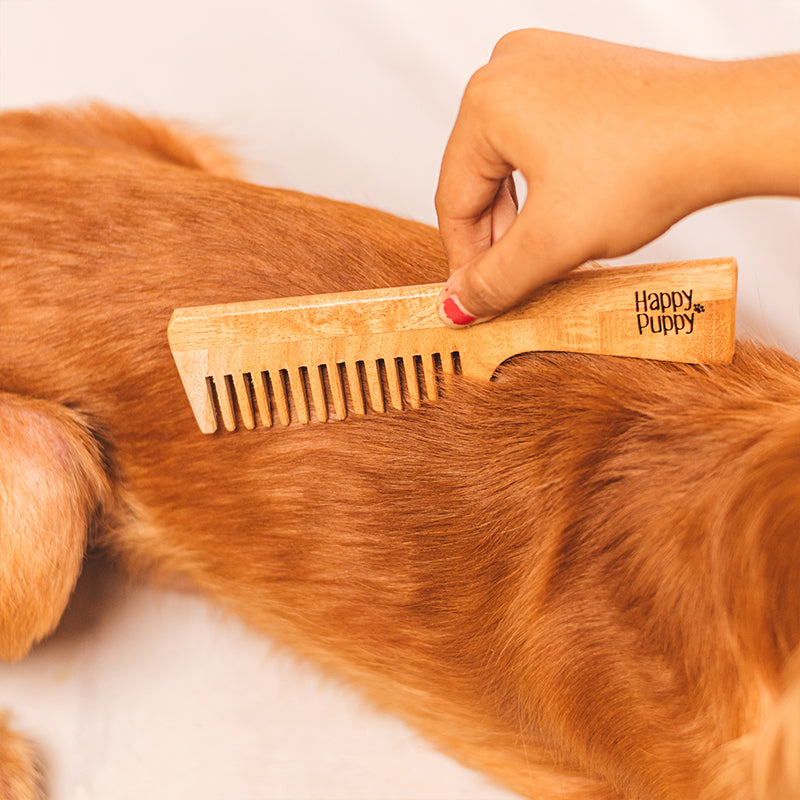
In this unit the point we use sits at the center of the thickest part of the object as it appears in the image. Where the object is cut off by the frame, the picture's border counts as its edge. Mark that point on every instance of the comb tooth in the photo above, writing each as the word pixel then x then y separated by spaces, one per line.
pixel 318 393
pixel 212 420
pixel 262 400
pixel 393 367
pixel 279 392
pixel 374 386
pixel 447 364
pixel 356 390
pixel 409 366
pixel 225 403
pixel 429 370
pixel 243 400
pixel 299 395
pixel 337 392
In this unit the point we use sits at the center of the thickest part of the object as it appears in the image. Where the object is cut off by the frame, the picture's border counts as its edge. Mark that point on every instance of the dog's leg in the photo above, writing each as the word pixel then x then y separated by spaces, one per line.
pixel 52 486
pixel 763 764
pixel 777 764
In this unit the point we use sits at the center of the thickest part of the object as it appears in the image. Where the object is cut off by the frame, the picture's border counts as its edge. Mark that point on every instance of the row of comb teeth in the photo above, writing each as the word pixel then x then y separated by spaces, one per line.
pixel 285 395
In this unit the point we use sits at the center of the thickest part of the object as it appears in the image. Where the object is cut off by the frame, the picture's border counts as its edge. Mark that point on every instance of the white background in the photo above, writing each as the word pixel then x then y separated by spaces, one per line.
pixel 147 693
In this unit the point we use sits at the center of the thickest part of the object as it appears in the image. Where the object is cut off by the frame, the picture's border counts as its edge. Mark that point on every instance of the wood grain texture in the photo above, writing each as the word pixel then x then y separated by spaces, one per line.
pixel 293 358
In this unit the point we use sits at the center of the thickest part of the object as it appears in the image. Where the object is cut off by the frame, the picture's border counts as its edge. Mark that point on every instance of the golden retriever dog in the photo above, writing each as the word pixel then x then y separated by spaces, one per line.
pixel 582 578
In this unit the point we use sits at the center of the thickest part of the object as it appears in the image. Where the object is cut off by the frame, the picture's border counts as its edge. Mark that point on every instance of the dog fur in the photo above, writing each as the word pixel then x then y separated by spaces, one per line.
pixel 582 578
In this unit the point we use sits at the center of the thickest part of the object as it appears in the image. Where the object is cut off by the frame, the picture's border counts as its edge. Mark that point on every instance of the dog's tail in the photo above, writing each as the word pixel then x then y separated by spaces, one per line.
pixel 102 127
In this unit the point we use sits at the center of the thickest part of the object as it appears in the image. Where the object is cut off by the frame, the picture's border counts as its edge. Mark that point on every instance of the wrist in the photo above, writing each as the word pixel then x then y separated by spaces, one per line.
pixel 754 143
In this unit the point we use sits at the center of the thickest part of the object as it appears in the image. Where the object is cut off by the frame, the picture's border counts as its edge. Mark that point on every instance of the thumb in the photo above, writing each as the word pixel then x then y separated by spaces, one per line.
pixel 502 276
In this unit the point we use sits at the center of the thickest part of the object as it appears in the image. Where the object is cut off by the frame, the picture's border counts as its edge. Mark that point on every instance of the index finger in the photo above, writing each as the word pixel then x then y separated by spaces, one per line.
pixel 471 176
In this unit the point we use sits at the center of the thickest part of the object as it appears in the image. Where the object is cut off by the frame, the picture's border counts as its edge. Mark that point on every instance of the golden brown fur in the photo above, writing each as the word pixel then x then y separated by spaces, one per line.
pixel 583 579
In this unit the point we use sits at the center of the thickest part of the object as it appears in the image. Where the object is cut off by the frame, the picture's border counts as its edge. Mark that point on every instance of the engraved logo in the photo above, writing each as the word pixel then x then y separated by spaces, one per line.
pixel 666 312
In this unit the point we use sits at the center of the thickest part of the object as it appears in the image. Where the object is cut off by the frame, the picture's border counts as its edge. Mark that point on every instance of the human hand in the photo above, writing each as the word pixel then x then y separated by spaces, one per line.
pixel 615 143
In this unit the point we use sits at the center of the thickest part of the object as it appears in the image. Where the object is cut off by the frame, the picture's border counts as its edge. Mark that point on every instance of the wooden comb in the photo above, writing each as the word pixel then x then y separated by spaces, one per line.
pixel 328 355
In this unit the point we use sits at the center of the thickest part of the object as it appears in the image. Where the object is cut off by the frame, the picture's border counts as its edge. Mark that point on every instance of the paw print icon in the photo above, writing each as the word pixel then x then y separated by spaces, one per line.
pixel 699 308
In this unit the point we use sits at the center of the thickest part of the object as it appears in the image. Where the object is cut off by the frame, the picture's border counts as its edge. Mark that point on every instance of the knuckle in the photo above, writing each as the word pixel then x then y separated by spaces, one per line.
pixel 440 200
pixel 480 89
pixel 515 41
pixel 508 41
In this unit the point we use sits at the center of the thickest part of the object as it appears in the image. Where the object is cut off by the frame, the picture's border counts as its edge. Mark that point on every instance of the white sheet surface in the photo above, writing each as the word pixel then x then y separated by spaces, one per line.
pixel 147 693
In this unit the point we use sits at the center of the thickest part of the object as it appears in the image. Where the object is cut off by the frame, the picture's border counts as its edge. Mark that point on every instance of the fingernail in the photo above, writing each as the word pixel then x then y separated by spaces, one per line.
pixel 452 313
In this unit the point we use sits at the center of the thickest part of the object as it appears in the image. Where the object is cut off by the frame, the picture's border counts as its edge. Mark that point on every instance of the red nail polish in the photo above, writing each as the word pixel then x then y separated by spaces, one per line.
pixel 455 312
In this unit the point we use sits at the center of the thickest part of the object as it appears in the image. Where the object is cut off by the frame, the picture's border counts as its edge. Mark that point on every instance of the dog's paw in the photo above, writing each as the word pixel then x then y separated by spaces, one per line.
pixel 20 769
